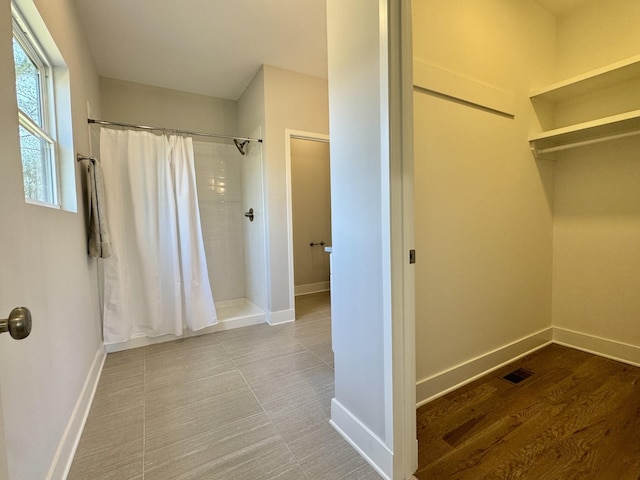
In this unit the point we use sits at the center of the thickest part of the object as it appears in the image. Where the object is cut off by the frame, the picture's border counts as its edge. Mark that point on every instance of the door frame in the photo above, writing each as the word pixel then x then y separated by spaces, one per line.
pixel 399 40
pixel 290 134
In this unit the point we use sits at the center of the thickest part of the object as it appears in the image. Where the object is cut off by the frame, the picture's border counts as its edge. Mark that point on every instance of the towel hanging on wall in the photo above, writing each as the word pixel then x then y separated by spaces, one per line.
pixel 99 239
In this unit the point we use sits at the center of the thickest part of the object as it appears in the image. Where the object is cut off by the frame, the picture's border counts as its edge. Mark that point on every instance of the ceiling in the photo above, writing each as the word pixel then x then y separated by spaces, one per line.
pixel 212 47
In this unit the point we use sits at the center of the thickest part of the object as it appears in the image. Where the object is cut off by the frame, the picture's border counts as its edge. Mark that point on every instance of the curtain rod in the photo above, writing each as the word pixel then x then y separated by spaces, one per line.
pixel 184 132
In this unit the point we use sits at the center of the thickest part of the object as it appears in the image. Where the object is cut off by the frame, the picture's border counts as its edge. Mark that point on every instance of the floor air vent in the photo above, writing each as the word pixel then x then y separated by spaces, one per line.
pixel 518 375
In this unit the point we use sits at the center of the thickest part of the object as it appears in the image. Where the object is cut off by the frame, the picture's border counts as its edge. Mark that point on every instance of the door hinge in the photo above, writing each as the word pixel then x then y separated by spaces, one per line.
pixel 412 256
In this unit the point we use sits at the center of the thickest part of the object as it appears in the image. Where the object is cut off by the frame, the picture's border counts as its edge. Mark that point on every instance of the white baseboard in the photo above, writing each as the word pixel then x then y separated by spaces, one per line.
pixel 282 316
pixel 603 347
pixel 71 436
pixel 312 288
pixel 444 382
pixel 363 440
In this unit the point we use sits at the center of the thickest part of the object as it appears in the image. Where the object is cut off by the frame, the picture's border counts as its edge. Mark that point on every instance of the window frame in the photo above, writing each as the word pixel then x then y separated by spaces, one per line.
pixel 46 133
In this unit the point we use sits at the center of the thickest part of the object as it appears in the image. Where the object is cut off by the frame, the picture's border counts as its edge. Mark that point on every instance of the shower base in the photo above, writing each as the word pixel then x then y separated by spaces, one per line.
pixel 234 313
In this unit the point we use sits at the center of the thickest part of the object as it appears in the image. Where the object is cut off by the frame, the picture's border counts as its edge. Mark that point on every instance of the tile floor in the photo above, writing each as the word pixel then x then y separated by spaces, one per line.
pixel 250 403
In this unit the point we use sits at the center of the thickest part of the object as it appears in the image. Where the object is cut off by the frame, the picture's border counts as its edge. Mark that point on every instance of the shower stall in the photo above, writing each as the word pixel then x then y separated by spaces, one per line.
pixel 229 180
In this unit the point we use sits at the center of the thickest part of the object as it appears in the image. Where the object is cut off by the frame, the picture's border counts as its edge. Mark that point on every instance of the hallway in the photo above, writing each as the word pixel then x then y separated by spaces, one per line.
pixel 250 403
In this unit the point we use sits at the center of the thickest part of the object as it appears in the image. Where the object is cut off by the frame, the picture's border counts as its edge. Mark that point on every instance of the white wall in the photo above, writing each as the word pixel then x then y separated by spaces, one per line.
pixel 45 267
pixel 362 409
pixel 311 212
pixel 597 191
pixel 297 102
pixel 251 105
pixel 483 205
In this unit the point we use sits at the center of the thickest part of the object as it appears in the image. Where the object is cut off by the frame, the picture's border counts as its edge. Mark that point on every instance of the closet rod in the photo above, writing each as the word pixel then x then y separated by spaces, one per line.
pixel 182 132
pixel 567 146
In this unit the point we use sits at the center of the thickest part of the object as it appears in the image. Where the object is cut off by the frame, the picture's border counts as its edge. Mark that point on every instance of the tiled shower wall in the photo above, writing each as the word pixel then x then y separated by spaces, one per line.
pixel 219 183
pixel 254 232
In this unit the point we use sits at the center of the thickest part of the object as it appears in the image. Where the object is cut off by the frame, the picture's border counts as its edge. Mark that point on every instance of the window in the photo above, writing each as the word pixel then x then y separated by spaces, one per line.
pixel 34 91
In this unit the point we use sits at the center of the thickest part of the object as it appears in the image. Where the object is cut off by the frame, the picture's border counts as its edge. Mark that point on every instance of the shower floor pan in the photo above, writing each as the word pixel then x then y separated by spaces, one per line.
pixel 235 313
pixel 238 312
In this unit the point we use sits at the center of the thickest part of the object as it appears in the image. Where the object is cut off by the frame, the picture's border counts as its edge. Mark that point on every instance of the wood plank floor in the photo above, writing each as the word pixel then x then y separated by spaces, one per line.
pixel 576 417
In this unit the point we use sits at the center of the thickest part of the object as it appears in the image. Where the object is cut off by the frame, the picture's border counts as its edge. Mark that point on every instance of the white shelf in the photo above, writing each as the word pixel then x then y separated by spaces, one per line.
pixel 602 129
pixel 595 131
pixel 601 78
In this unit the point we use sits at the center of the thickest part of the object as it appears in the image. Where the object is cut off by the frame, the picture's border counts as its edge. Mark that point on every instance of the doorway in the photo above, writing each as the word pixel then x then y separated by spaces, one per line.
pixel 309 211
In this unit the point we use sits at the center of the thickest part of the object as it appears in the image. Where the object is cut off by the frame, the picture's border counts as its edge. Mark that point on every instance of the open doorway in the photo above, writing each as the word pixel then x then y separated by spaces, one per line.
pixel 309 210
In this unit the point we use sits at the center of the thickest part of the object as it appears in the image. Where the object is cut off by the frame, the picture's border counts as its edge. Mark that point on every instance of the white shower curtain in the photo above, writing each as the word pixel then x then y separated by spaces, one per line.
pixel 156 280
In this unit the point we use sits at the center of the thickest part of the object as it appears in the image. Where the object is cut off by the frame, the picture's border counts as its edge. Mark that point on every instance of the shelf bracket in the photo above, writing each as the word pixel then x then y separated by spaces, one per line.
pixel 539 155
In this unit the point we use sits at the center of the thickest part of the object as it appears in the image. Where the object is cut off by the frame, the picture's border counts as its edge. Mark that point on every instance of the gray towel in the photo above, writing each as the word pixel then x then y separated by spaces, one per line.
pixel 99 238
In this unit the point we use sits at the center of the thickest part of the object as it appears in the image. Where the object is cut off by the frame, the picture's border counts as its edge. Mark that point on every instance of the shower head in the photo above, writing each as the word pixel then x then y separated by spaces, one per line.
pixel 240 145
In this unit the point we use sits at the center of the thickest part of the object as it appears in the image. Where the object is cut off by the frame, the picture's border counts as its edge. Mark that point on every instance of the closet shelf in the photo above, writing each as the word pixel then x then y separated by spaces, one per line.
pixel 601 78
pixel 600 130
pixel 624 124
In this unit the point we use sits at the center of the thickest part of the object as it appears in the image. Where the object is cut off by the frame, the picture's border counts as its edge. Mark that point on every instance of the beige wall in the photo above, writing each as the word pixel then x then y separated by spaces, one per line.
pixel 596 34
pixel 161 107
pixel 483 205
pixel 597 191
pixel 45 266
pixel 311 211
pixel 499 43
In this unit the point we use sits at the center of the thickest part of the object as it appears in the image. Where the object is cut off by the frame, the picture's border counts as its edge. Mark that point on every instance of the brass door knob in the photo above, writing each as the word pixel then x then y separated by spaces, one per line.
pixel 18 324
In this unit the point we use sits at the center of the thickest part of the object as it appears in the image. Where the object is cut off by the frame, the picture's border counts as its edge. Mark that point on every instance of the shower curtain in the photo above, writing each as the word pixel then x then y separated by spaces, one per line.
pixel 156 281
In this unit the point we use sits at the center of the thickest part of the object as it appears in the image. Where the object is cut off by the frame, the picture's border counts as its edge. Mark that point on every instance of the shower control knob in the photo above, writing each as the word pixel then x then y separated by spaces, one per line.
pixel 18 324
pixel 249 214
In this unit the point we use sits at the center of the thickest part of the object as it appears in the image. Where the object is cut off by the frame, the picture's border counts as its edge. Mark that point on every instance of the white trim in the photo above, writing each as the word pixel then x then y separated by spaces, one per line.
pixel 401 99
pixel 310 136
pixel 282 316
pixel 455 86
pixel 391 240
pixel 363 440
pixel 290 134
pixel 33 46
pixel 71 437
pixel 59 106
pixel 312 288
pixel 603 347
pixel 444 382
pixel 430 388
